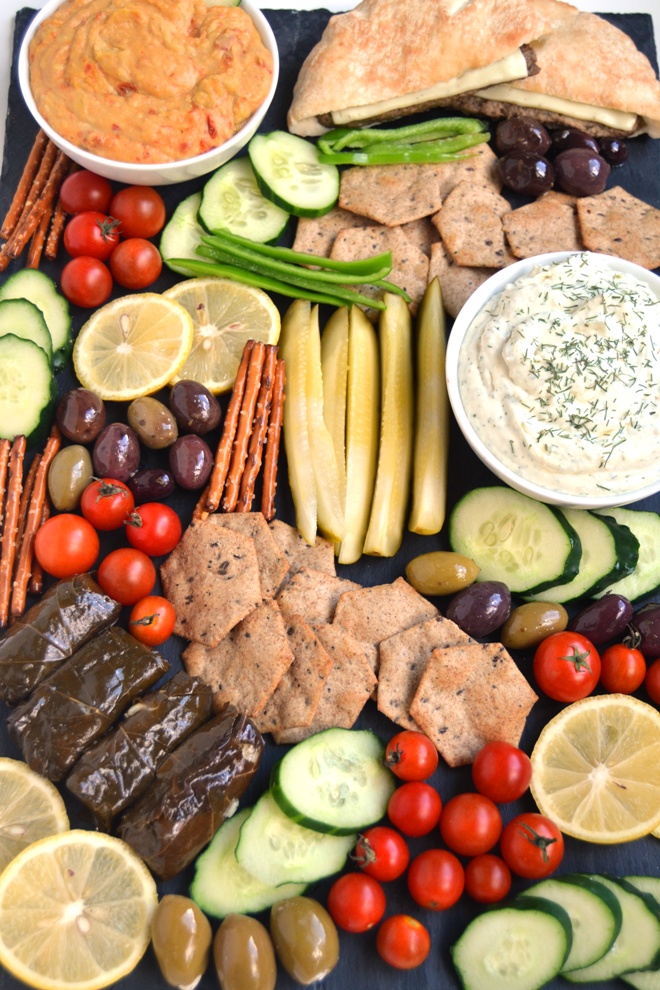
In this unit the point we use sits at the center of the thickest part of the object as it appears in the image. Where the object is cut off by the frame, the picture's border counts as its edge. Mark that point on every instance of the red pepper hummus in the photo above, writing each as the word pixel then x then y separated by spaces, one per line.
pixel 148 81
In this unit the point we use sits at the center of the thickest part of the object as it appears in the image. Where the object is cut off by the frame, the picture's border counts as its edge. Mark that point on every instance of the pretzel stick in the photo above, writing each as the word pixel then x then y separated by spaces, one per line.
pixel 5 447
pixel 8 553
pixel 23 187
pixel 38 240
pixel 38 183
pixel 55 232
pixel 200 512
pixel 223 453
pixel 273 442
pixel 245 420
pixel 37 576
pixel 259 431
pixel 24 505
pixel 26 227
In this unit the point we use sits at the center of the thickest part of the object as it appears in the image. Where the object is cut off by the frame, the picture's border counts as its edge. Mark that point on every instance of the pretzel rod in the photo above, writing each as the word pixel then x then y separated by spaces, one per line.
pixel 223 453
pixel 38 240
pixel 38 183
pixel 8 553
pixel 26 227
pixel 200 512
pixel 55 233
pixel 24 505
pixel 259 431
pixel 37 576
pixel 245 421
pixel 5 447
pixel 273 441
pixel 24 183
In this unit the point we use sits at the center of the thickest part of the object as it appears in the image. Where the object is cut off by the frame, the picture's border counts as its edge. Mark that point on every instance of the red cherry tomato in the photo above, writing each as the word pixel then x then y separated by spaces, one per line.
pixel 91 234
pixel 84 190
pixel 487 879
pixel 470 824
pixel 411 755
pixel 136 263
pixel 403 942
pixel 652 682
pixel 66 544
pixel 566 666
pixel 436 879
pixel 532 846
pixel 106 502
pixel 127 575
pixel 382 853
pixel 86 282
pixel 501 771
pixel 414 808
pixel 152 620
pixel 140 209
pixel 356 902
pixel 153 528
pixel 622 669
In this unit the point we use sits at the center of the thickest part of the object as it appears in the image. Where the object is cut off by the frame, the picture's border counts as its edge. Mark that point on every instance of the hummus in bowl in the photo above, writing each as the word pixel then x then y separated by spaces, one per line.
pixel 149 91
pixel 553 372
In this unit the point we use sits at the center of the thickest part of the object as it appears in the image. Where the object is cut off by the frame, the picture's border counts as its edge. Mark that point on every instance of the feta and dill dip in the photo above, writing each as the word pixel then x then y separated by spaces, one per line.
pixel 559 375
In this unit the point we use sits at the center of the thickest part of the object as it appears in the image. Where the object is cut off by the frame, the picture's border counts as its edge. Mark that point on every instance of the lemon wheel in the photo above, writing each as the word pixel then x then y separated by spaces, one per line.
pixel 31 808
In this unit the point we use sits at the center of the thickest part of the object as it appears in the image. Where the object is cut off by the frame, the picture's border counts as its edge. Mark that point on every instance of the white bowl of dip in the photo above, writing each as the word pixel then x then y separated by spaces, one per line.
pixel 154 172
pixel 553 374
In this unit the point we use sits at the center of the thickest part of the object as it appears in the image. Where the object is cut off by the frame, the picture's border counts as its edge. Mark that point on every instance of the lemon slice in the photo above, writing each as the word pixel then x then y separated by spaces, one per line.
pixel 30 809
pixel 132 346
pixel 225 315
pixel 75 911
pixel 596 769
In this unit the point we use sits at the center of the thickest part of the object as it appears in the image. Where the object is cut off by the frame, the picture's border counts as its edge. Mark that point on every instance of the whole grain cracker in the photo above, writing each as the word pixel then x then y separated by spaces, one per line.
pixel 299 553
pixel 313 594
pixel 457 282
pixel 470 225
pixel 550 223
pixel 391 194
pixel 409 265
pixel 422 233
pixel 617 223
pixel 273 566
pixel 479 166
pixel 316 235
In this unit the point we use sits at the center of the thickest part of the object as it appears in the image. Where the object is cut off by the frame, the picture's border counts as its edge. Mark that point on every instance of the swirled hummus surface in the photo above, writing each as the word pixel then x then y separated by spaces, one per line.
pixel 148 81
pixel 560 377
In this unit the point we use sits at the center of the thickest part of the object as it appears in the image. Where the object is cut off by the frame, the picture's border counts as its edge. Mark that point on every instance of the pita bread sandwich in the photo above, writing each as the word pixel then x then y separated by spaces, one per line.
pixel 389 58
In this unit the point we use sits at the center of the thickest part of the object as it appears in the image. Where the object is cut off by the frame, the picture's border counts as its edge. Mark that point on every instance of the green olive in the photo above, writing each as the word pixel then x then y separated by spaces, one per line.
pixel 441 572
pixel 305 939
pixel 531 623
pixel 243 954
pixel 68 476
pixel 153 422
pixel 181 938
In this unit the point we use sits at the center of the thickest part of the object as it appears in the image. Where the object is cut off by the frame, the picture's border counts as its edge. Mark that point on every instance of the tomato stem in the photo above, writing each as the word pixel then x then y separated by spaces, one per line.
pixel 579 660
pixel 540 841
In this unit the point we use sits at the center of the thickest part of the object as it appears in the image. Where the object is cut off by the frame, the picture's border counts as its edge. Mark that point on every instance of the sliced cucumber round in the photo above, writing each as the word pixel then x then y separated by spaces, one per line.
pixel 27 389
pixel 232 200
pixel 289 173
pixel 37 288
pixel 182 234
pixel 24 319
pixel 645 526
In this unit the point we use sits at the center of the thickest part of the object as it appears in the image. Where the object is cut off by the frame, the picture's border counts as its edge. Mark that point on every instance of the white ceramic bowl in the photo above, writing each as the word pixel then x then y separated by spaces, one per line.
pixel 494 285
pixel 155 174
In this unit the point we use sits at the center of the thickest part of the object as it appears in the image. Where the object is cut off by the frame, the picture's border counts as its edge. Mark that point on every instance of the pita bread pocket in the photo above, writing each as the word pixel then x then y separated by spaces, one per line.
pixel 614 222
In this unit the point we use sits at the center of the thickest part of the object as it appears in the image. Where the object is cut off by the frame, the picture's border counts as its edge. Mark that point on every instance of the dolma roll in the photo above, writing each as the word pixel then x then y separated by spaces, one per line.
pixel 81 700
pixel 121 765
pixel 196 788
pixel 68 615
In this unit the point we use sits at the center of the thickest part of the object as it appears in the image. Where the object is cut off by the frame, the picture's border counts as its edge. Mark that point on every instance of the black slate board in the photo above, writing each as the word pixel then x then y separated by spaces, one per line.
pixel 360 966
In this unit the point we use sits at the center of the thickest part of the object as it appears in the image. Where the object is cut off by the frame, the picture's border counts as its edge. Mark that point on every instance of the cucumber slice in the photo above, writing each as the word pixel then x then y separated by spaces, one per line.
pixel 24 319
pixel 39 289
pixel 221 887
pixel 277 851
pixel 646 979
pixel 645 526
pixel 289 173
pixel 518 947
pixel 231 200
pixel 334 781
pixel 609 551
pixel 526 544
pixel 27 389
pixel 183 233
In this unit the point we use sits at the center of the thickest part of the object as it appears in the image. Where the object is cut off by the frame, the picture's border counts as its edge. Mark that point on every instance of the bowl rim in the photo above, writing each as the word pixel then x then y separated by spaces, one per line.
pixel 474 305
pixel 145 168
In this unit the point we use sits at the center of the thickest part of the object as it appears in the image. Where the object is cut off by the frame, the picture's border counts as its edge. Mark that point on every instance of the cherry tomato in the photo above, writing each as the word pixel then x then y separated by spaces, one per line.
pixel 356 902
pixel 86 282
pixel 470 824
pixel 84 190
pixel 566 666
pixel 152 620
pixel 403 942
pixel 106 502
pixel 153 528
pixel 622 669
pixel 411 755
pixel 652 682
pixel 92 234
pixel 382 853
pixel 531 845
pixel 66 544
pixel 140 209
pixel 436 879
pixel 487 879
pixel 127 575
pixel 414 808
pixel 135 263
pixel 501 771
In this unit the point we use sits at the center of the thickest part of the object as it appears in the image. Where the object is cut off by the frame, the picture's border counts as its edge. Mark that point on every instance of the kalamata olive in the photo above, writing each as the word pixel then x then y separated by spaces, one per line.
pixel 441 572
pixel 305 939
pixel 571 137
pixel 526 172
pixel 480 609
pixel 521 134
pixel 181 939
pixel 151 484
pixel 191 461
pixel 613 150
pixel 69 474
pixel 152 422
pixel 80 415
pixel 243 955
pixel 645 630
pixel 531 623
pixel 603 620
pixel 581 172
pixel 195 408
pixel 116 452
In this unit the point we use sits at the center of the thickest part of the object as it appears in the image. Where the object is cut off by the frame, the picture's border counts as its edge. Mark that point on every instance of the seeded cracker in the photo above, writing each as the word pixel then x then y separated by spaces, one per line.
pixel 457 282
pixel 273 567
pixel 548 224
pixel 614 222
pixel 391 194
pixel 313 594
pixel 317 235
pixel 470 224
pixel 422 233
pixel 410 266
pixel 299 553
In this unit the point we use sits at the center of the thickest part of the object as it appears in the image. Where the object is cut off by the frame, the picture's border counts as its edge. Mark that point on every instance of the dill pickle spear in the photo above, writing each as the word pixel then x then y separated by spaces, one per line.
pixel 390 501
pixel 334 367
pixel 429 487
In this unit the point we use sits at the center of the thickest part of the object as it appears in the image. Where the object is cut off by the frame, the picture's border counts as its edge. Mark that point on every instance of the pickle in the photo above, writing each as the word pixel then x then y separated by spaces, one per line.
pixel 334 367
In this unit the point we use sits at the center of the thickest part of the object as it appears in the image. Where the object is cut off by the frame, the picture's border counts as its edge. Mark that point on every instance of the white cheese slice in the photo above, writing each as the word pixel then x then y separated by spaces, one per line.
pixel 618 119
